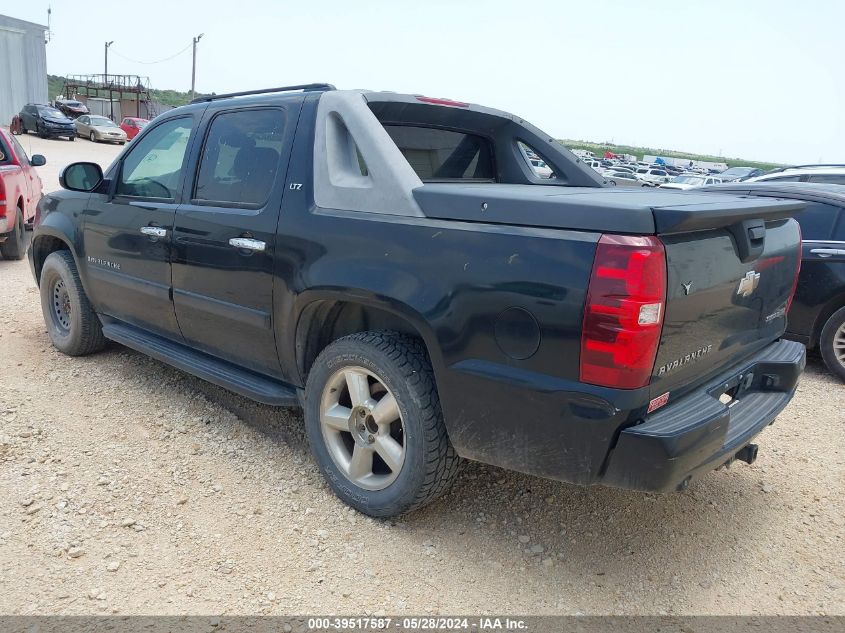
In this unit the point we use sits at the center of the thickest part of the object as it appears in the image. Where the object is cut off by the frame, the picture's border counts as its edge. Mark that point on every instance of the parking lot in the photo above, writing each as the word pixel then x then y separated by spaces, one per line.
pixel 127 486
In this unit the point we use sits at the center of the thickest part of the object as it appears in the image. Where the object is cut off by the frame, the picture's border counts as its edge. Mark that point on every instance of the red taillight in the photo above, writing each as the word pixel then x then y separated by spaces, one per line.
pixel 438 101
pixel 797 270
pixel 623 315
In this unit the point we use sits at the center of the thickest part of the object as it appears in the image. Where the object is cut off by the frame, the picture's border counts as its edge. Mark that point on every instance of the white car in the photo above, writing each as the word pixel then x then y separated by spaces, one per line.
pixel 690 181
pixel 653 177
pixel 594 164
pixel 630 170
pixel 833 174
pixel 540 168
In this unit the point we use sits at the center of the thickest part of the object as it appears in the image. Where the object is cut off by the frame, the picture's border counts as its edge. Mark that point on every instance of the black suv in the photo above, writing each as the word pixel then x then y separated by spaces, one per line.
pixel 46 121
pixel 395 264
pixel 817 316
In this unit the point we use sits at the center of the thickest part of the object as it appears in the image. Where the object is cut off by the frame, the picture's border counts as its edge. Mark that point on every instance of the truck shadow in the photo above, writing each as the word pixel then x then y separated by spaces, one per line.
pixel 683 545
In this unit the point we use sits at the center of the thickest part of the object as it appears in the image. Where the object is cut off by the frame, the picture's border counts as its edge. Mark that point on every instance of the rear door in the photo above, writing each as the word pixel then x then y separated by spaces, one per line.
pixel 822 265
pixel 225 234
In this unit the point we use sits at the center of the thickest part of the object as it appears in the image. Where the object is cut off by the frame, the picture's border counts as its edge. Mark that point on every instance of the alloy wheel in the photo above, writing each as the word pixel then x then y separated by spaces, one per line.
pixel 362 427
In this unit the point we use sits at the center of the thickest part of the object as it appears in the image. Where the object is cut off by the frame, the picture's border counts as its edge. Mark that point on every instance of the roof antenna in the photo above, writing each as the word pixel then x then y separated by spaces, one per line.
pixel 49 32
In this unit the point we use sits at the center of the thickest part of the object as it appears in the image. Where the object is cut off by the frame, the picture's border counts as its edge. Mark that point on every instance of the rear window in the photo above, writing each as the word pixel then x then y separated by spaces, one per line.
pixel 436 154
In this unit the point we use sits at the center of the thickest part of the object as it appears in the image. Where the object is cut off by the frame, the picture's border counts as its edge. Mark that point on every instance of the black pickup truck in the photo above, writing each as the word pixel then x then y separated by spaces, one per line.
pixel 393 264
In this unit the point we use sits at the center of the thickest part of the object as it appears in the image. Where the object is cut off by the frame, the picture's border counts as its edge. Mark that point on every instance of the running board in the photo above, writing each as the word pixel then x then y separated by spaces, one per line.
pixel 214 370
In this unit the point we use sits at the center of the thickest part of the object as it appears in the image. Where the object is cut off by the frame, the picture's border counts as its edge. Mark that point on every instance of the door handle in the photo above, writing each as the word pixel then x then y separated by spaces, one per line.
pixel 828 252
pixel 247 244
pixel 154 231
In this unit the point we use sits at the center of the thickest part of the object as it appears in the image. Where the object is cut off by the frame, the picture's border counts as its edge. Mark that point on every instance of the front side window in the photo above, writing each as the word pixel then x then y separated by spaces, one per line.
pixel 22 157
pixel 153 169
pixel 240 158
pixel 436 154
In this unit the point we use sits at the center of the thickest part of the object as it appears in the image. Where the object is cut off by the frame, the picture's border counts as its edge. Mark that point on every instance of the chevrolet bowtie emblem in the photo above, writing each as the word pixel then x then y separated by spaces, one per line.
pixel 748 284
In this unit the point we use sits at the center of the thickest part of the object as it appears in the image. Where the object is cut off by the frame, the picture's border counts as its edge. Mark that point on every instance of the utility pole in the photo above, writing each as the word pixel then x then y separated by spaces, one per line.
pixel 194 65
pixel 106 78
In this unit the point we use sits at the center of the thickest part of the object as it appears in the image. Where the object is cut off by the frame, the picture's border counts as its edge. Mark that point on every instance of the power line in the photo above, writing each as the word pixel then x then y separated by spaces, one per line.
pixel 159 61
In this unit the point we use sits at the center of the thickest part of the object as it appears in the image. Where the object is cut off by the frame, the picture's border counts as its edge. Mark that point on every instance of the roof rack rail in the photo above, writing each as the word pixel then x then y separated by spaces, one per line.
pixel 785 167
pixel 303 87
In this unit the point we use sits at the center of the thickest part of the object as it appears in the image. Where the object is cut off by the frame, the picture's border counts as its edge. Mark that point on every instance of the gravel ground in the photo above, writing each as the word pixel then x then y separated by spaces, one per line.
pixel 129 487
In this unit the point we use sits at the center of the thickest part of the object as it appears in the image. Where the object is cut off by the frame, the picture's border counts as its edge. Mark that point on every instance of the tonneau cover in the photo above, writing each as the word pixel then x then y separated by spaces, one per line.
pixel 636 211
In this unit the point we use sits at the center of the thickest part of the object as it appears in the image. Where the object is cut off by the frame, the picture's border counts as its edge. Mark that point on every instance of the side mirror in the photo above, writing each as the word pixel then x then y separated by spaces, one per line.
pixel 37 160
pixel 81 176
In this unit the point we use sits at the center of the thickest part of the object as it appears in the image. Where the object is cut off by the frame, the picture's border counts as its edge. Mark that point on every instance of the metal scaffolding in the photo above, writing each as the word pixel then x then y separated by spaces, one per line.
pixel 110 86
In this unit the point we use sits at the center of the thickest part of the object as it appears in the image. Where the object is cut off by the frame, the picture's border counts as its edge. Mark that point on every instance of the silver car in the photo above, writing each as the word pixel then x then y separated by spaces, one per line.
pixel 99 128
pixel 623 179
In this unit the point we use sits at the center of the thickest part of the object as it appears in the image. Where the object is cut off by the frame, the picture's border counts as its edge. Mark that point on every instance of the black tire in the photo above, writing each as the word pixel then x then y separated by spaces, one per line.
pixel 430 463
pixel 830 342
pixel 72 137
pixel 15 245
pixel 92 137
pixel 72 324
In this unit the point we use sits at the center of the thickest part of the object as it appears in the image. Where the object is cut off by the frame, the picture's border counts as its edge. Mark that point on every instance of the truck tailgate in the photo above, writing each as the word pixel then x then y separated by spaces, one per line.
pixel 731 271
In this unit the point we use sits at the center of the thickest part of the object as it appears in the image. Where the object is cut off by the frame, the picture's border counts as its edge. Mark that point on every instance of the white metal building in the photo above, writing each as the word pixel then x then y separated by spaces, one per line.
pixel 23 66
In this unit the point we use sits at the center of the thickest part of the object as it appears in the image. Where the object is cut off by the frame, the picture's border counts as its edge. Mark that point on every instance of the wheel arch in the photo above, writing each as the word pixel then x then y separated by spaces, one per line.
pixel 324 317
pixel 834 304
pixel 43 244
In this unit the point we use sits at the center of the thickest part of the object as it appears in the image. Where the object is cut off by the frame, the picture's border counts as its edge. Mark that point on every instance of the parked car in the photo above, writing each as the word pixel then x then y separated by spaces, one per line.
pixel 653 177
pixel 132 126
pixel 623 179
pixel 540 168
pixel 832 174
pixel 689 181
pixel 20 191
pixel 423 301
pixel 71 107
pixel 99 128
pixel 46 121
pixel 739 173
pixel 817 315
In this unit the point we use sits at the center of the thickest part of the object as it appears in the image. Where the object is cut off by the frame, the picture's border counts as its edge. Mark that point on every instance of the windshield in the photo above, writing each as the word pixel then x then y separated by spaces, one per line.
pixel 75 104
pixel 51 112
pixel 688 180
pixel 101 121
pixel 738 171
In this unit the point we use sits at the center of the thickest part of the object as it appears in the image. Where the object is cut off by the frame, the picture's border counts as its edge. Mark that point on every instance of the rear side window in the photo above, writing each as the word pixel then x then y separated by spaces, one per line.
pixel 241 157
pixel 436 154
pixel 836 179
pixel 817 221
pixel 792 178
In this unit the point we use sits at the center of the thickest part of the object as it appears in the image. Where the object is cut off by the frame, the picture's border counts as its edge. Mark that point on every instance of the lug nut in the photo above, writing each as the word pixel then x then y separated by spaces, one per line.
pixel 371 439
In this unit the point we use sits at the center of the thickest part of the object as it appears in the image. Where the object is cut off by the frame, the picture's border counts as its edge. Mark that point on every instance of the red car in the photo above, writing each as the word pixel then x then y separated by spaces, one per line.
pixel 20 191
pixel 132 125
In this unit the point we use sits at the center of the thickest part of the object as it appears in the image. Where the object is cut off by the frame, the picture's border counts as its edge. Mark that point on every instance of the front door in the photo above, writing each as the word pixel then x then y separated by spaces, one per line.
pixel 128 231
pixel 225 235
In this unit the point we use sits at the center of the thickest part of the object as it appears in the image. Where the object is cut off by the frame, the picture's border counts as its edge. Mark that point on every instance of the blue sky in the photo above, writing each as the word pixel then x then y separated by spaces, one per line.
pixel 757 79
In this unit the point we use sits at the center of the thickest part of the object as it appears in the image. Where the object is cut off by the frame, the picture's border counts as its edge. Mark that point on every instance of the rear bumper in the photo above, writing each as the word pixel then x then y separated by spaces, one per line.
pixel 699 433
